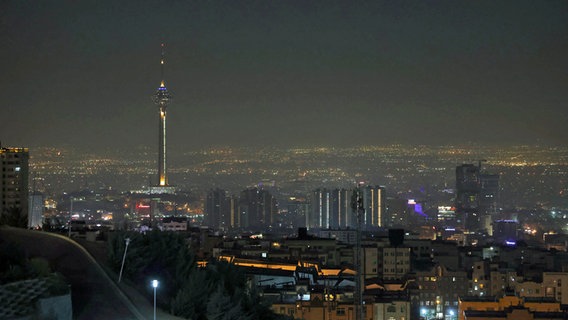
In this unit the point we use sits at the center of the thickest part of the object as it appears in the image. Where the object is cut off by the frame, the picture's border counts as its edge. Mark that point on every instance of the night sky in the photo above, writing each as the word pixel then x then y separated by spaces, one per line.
pixel 284 73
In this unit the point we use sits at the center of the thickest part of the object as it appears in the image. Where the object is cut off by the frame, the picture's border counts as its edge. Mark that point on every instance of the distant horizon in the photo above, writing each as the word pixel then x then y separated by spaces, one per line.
pixel 153 148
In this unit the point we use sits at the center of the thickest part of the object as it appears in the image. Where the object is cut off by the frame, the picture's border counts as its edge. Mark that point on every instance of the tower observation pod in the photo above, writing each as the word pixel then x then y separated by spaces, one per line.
pixel 162 98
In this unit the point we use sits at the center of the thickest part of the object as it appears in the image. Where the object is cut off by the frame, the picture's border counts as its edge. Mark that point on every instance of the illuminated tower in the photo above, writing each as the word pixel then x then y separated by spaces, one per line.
pixel 162 98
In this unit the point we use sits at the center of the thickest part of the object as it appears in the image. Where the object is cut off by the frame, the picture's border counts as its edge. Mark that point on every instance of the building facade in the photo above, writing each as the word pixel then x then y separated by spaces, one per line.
pixel 333 209
pixel 257 209
pixel 35 211
pixel 14 183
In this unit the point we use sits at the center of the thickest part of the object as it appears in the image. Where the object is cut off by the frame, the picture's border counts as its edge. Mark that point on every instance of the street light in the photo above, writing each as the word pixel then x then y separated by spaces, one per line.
pixel 70 216
pixel 123 258
pixel 155 285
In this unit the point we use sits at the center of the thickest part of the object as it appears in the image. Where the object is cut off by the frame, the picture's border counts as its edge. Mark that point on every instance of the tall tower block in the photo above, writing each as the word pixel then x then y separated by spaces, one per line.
pixel 14 183
pixel 162 98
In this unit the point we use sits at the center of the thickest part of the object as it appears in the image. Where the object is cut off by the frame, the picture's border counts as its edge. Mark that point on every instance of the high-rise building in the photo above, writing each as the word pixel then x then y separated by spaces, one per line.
pixel 321 203
pixel 342 213
pixel 398 213
pixel 257 209
pixel 297 209
pixel 35 211
pixel 220 210
pixel 14 182
pixel 489 193
pixel 333 208
pixel 477 196
pixel 374 201
pixel 467 195
pixel 162 98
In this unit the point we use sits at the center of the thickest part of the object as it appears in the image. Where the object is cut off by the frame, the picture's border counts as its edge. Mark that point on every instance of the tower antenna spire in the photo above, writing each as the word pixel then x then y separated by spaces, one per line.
pixel 162 62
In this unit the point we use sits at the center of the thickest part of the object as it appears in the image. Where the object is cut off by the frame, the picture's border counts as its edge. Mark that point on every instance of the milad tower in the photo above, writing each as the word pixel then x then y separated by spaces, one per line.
pixel 162 98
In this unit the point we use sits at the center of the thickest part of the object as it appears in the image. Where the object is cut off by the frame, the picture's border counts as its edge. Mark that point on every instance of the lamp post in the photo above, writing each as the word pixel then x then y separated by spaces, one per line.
pixel 70 215
pixel 155 285
pixel 127 240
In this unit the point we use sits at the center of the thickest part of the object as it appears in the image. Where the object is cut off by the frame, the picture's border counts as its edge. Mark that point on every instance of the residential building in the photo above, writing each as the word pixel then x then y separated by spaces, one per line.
pixel 14 181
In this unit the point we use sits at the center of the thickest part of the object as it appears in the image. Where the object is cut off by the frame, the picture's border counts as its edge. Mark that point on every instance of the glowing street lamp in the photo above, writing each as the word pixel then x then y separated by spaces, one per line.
pixel 155 285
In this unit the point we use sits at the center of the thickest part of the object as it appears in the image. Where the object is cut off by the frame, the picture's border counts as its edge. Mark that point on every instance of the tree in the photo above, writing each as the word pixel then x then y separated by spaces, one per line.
pixel 218 291
pixel 13 217
pixel 222 306
pixel 154 255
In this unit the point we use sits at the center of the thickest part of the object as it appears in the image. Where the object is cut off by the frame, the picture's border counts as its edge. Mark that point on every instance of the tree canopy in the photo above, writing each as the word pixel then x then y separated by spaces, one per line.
pixel 219 291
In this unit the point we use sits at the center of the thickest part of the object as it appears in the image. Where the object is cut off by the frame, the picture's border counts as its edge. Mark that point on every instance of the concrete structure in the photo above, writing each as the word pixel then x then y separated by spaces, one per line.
pixel 220 210
pixel 257 209
pixel 320 215
pixel 467 195
pixel 438 293
pixel 398 213
pixel 162 98
pixel 35 211
pixel 496 308
pixel 391 310
pixel 395 262
pixel 32 299
pixel 513 313
pixel 477 197
pixel 14 180
pixel 374 201
pixel 333 208
pixel 555 285
pixel 342 235
pixel 175 224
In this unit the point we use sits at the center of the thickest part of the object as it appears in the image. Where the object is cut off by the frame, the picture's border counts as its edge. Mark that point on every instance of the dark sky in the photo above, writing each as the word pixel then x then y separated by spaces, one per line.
pixel 284 73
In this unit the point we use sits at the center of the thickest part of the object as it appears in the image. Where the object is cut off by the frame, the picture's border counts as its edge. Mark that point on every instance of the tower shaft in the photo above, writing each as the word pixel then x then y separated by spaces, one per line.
pixel 162 173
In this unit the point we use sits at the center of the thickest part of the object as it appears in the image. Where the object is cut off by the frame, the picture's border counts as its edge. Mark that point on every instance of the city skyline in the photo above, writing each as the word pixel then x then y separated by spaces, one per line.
pixel 285 73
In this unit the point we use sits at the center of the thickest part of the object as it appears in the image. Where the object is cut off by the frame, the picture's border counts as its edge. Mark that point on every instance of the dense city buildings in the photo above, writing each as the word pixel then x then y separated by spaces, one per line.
pixel 329 160
pixel 290 225
pixel 14 182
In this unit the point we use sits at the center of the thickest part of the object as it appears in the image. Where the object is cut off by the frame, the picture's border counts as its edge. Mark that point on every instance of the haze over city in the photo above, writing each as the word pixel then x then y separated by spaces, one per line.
pixel 288 73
